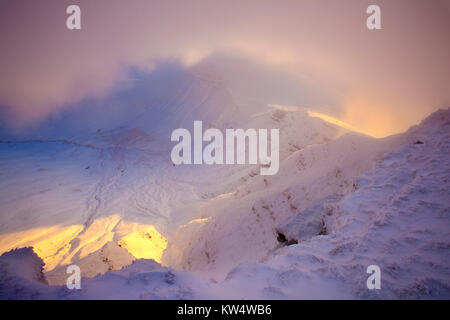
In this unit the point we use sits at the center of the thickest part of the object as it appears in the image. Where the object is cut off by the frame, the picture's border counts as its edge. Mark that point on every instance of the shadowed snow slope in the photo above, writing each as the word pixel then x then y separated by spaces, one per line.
pixel 344 209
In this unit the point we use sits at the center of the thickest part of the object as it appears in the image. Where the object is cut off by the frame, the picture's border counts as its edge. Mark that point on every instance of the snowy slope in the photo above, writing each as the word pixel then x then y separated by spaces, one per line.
pixel 240 227
pixel 395 215
pixel 95 186
pixel 397 218
pixel 100 175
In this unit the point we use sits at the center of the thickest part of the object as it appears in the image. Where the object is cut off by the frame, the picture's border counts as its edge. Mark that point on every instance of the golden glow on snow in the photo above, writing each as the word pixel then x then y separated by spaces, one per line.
pixel 200 220
pixel 53 244
pixel 223 196
pixel 322 116
pixel 337 122
pixel 147 243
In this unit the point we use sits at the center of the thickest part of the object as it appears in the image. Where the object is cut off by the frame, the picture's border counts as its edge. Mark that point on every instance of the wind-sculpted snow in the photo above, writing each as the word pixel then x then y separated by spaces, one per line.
pixel 397 218
pixel 22 278
pixel 21 274
pixel 313 221
pixel 241 226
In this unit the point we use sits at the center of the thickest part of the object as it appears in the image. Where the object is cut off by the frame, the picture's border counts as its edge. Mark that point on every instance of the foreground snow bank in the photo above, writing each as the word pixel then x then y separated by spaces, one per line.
pixel 21 277
pixel 21 274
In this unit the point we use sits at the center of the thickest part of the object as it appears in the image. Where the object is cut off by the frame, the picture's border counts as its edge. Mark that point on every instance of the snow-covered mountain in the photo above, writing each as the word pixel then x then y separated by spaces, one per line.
pixel 395 216
pixel 100 175
pixel 102 193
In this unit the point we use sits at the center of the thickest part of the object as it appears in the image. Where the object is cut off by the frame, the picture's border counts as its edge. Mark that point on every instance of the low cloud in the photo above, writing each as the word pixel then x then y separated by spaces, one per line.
pixel 382 80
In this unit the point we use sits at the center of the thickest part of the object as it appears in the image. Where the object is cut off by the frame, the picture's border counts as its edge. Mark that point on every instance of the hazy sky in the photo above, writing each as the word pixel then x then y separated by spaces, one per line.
pixel 383 80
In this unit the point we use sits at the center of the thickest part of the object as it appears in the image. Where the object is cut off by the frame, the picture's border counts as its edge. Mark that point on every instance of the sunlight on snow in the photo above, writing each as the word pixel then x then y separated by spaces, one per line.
pixel 55 245
pixel 147 243
pixel 322 116
pixel 337 122
pixel 51 244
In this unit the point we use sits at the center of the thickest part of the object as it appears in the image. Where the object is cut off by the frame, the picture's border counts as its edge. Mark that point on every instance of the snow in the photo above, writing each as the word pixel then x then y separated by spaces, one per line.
pixel 75 186
pixel 241 227
pixel 105 196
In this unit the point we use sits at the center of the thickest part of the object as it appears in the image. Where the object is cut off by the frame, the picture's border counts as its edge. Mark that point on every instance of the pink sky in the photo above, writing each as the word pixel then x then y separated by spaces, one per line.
pixel 386 80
